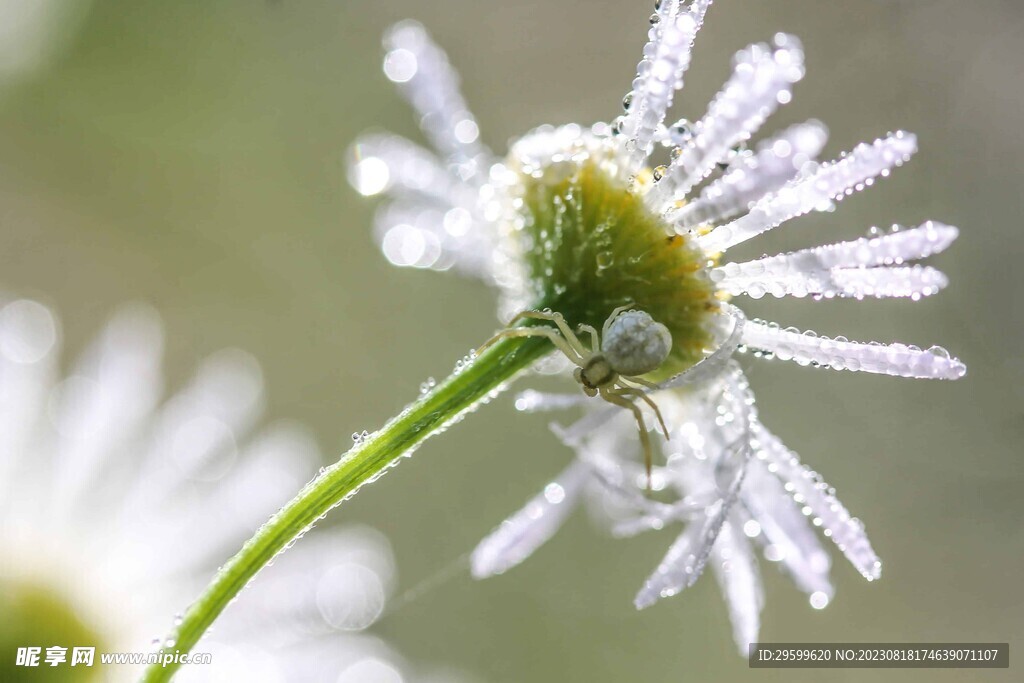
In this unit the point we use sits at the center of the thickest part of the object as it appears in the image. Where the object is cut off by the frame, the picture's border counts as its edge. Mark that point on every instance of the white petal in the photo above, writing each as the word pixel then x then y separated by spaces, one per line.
pixel 787 534
pixel 660 73
pixel 531 401
pixel 424 76
pixel 819 503
pixel 390 163
pixel 529 528
pixel 846 268
pixel 678 570
pixel 195 434
pixel 422 236
pixel 334 579
pixel 106 399
pixel 831 181
pixel 911 281
pixel 893 248
pixel 751 176
pixel 278 461
pixel 718 360
pixel 895 359
pixel 29 350
pixel 762 79
pixel 655 516
pixel 686 558
pixel 740 582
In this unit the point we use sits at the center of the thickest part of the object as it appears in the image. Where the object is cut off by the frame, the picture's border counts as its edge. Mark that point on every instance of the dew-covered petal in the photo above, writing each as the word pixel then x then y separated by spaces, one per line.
pixel 424 76
pixel 735 567
pixel 753 175
pixel 678 570
pixel 893 248
pixel 912 282
pixel 863 267
pixel 529 528
pixel 532 401
pixel 666 57
pixel 786 534
pixel 389 163
pixel 762 79
pixel 729 335
pixel 807 348
pixel 575 435
pixel 832 181
pixel 438 238
pixel 655 516
pixel 818 502
pixel 686 557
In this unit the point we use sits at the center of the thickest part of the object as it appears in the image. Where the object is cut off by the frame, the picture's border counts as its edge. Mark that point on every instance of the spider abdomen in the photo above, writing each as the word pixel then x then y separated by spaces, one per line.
pixel 636 344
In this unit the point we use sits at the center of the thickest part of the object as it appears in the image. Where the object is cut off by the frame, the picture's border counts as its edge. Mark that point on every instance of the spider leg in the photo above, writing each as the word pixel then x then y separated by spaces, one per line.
pixel 611 318
pixel 595 341
pixel 557 339
pixel 642 382
pixel 626 390
pixel 613 396
pixel 558 320
pixel 529 314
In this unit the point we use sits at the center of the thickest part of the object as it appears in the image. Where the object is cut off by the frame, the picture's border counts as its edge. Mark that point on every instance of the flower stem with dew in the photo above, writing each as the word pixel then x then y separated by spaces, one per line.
pixel 431 413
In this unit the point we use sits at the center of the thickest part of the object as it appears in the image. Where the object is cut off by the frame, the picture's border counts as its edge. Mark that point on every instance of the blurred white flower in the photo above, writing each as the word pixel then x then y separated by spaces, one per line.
pixel 117 507
pixel 639 212
pixel 34 32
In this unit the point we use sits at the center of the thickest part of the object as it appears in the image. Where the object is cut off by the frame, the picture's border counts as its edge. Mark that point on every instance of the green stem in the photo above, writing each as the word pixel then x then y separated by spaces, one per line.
pixel 434 410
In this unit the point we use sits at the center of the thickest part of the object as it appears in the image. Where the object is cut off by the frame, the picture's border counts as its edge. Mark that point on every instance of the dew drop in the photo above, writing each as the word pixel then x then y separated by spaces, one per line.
pixel 819 600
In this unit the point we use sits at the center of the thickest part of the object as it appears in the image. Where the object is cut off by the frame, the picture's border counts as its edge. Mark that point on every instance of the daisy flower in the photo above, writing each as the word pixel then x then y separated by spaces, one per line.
pixel 640 212
pixel 117 506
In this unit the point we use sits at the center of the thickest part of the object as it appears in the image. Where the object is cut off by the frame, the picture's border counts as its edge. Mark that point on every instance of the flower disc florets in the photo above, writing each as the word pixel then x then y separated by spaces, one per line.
pixel 579 239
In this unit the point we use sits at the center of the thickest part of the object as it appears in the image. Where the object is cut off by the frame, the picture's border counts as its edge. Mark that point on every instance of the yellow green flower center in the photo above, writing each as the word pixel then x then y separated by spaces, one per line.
pixel 589 244
pixel 34 615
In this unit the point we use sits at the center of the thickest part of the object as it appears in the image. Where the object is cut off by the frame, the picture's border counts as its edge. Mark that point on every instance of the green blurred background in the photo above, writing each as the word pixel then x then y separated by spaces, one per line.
pixel 192 155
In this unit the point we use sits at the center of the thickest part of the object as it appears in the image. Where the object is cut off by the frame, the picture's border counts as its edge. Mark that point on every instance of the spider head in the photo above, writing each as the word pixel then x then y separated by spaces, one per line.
pixel 597 372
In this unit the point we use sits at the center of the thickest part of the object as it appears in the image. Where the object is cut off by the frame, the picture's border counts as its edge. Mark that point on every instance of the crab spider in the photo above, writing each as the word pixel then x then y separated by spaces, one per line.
pixel 631 343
